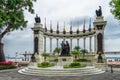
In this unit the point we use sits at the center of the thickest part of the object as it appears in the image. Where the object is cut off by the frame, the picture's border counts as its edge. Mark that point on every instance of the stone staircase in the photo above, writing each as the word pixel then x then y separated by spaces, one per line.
pixel 60 71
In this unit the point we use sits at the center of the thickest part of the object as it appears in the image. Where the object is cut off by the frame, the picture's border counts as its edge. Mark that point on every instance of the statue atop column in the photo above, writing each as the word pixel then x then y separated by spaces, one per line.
pixel 37 19
pixel 99 12
pixel 65 49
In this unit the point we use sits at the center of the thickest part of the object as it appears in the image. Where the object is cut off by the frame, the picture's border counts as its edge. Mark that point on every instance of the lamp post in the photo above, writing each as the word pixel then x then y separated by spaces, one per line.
pixel 16 55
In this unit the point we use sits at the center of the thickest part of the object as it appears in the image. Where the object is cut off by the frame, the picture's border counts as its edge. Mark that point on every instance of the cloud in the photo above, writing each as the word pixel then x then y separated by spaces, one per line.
pixel 63 11
pixel 112 28
pixel 112 44
pixel 78 21
pixel 18 41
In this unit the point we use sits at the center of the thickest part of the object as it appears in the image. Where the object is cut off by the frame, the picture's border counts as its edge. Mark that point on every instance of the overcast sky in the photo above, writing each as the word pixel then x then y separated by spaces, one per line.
pixel 63 11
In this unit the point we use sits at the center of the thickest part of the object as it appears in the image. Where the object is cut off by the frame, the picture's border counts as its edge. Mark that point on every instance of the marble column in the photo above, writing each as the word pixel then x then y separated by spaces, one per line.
pixel 95 44
pixel 70 44
pixel 44 44
pixel 84 43
pixel 51 45
pixel 57 42
pixel 78 42
pixel 90 45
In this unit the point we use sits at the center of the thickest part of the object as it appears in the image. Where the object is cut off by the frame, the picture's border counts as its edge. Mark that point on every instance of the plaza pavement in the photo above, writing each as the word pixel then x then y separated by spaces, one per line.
pixel 14 75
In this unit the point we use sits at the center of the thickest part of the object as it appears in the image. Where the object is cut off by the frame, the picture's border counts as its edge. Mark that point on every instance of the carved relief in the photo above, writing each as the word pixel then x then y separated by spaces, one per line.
pixel 35 45
pixel 99 42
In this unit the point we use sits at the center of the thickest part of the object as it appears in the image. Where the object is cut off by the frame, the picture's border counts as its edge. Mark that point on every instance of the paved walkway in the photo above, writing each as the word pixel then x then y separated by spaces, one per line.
pixel 14 75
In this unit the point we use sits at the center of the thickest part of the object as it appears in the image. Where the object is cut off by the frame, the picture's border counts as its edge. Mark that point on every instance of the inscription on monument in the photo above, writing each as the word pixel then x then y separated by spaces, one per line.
pixel 63 59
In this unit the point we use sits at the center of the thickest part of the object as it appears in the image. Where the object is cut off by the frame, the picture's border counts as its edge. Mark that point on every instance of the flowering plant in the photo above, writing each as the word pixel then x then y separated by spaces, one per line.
pixel 6 63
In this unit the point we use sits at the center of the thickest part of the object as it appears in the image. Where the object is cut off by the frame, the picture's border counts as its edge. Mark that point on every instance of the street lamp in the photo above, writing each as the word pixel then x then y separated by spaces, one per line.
pixel 16 55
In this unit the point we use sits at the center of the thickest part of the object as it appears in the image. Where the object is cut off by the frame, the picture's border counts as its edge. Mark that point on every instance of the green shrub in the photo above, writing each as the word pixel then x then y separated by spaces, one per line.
pixel 55 60
pixel 2 67
pixel 75 65
pixel 45 65
pixel 82 60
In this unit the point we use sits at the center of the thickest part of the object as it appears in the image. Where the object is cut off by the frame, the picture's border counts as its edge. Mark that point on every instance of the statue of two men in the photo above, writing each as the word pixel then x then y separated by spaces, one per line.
pixel 65 49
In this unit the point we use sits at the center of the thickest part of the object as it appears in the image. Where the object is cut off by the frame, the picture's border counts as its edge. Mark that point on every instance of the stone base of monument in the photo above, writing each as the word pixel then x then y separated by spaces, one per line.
pixel 100 18
pixel 58 71
pixel 38 58
pixel 33 64
pixel 64 60
pixel 101 65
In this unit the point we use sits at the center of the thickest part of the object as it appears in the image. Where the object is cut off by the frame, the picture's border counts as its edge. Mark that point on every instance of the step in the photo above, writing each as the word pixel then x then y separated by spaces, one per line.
pixel 65 74
pixel 61 72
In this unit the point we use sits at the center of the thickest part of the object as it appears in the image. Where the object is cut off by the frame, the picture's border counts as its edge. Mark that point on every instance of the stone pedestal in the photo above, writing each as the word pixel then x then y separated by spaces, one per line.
pixel 38 58
pixel 99 19
pixel 103 65
pixel 32 64
pixel 64 60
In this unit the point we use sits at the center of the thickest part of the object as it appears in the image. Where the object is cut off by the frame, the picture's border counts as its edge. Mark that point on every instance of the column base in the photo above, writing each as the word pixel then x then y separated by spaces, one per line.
pixel 100 64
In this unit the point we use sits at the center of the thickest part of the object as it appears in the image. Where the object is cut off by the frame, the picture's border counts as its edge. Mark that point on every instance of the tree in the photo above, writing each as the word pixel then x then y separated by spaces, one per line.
pixel 45 55
pixel 83 51
pixel 115 8
pixel 12 17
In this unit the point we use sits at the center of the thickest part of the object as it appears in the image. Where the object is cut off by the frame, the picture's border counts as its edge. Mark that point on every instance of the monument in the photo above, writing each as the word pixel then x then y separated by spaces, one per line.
pixel 65 58
pixel 41 33
pixel 65 49
pixel 99 24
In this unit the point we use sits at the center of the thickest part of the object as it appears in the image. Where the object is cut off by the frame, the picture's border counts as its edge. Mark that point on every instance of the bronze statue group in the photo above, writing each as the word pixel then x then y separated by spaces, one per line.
pixel 65 49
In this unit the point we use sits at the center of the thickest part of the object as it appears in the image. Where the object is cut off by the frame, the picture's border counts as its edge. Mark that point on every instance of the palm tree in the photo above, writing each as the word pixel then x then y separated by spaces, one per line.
pixel 77 48
pixel 83 51
pixel 75 53
pixel 45 55
pixel 57 50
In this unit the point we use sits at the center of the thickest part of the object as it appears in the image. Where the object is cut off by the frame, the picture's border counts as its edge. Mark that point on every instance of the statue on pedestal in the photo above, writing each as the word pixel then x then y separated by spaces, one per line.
pixel 100 58
pixel 33 58
pixel 65 49
pixel 99 12
pixel 37 19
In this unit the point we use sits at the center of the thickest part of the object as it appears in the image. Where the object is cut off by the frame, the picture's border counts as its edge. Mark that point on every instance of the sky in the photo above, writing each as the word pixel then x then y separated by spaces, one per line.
pixel 63 11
